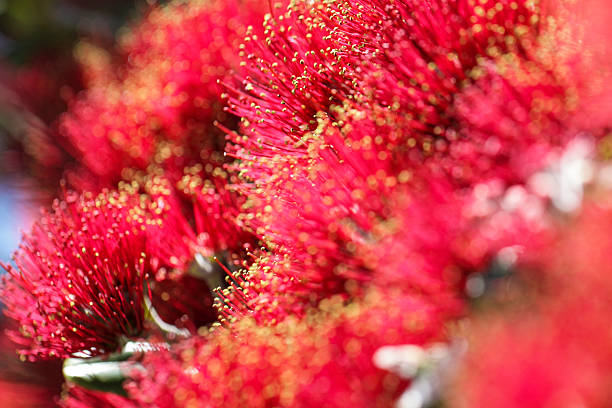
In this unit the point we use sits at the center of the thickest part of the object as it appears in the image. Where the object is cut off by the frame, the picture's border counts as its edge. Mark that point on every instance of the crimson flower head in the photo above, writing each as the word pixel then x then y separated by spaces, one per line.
pixel 326 358
pixel 160 106
pixel 79 280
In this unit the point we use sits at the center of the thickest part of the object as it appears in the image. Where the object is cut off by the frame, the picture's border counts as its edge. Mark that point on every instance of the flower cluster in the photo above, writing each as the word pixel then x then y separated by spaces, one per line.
pixel 322 358
pixel 159 105
pixel 330 236
pixel 80 277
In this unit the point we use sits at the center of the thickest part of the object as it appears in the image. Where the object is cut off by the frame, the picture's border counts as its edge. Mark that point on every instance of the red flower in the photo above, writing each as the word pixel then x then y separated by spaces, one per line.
pixel 383 103
pixel 324 359
pixel 81 277
pixel 409 57
pixel 160 106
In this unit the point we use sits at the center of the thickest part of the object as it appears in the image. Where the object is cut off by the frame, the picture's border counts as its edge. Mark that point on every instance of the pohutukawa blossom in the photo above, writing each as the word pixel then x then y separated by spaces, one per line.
pixel 325 358
pixel 322 162
pixel 151 122
pixel 292 74
pixel 354 50
pixel 384 156
pixel 487 90
pixel 450 72
pixel 161 105
pixel 338 215
pixel 80 277
pixel 438 72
